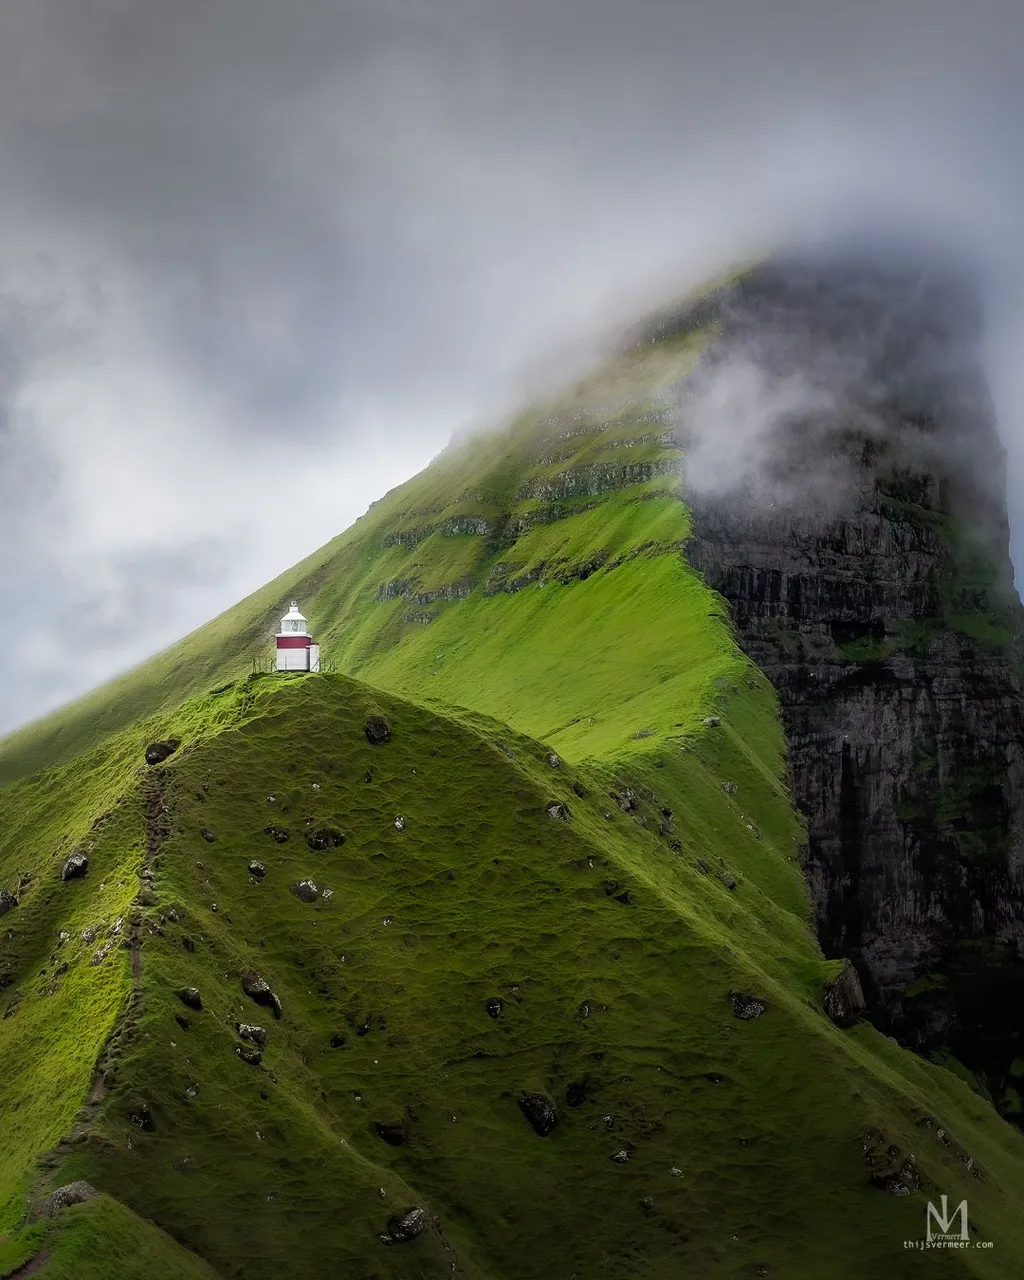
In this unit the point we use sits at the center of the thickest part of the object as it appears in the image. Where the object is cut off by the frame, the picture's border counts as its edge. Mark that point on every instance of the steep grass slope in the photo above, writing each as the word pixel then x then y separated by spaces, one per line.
pixel 521 615
pixel 612 957
pixel 426 592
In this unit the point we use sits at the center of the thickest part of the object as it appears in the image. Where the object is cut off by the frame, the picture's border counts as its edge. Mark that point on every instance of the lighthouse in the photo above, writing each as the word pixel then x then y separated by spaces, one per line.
pixel 295 648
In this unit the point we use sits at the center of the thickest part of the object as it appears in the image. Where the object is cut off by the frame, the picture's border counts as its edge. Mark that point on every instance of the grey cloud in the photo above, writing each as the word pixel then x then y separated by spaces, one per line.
pixel 300 243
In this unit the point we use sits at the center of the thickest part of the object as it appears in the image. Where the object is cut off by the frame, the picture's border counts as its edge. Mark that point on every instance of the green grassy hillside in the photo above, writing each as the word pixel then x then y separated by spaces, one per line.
pixel 582 488
pixel 572 864
pixel 613 957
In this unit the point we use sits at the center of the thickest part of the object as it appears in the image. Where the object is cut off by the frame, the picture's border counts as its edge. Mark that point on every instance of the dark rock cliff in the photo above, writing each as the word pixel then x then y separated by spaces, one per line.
pixel 861 539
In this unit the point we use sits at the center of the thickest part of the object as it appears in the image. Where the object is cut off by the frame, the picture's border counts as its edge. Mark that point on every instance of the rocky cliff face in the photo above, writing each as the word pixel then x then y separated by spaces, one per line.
pixel 861 539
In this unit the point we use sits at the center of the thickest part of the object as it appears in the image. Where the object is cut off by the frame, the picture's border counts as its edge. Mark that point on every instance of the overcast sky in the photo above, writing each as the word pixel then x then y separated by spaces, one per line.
pixel 258 259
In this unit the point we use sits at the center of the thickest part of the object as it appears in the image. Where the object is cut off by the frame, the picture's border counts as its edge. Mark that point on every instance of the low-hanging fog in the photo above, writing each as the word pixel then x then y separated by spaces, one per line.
pixel 257 261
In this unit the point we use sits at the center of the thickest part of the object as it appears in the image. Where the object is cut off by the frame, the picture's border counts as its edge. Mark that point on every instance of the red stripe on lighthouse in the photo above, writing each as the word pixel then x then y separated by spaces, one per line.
pixel 294 642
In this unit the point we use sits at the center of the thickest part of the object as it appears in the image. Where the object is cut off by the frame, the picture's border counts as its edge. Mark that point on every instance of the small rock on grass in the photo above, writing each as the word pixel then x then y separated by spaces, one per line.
pixel 325 838
pixel 75 867
pixel 746 1007
pixel 305 890
pixel 258 989
pixel 377 731
pixel 394 1133
pixel 403 1226
pixel 541 1112
pixel 157 752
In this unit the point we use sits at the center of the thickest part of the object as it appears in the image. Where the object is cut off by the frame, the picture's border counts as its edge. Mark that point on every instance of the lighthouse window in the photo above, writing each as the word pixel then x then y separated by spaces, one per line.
pixel 294 626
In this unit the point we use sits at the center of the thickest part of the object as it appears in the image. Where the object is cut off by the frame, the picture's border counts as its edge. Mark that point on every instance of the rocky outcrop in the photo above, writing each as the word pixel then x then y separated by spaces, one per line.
pixel 843 998
pixel 867 567
pixel 71 1193
pixel 598 477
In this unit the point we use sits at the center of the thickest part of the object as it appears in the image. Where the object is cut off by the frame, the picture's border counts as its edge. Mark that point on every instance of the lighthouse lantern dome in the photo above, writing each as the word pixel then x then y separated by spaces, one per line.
pixel 293 623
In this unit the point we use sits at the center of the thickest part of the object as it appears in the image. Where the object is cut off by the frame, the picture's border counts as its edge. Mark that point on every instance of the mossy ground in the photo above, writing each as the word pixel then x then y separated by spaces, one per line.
pixel 483 894
pixel 611 652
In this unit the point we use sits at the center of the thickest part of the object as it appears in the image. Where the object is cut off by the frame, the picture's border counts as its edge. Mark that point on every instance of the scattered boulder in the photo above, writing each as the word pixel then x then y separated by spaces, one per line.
pixel 248 1031
pixel 727 878
pixel 207 835
pixel 394 1133
pixel 555 761
pixel 625 799
pixel 377 731
pixel 399 823
pixel 745 1006
pixel 157 752
pixel 892 1183
pixel 190 997
pixel 71 1193
pixel 325 838
pixel 559 811
pixel 702 867
pixel 141 1115
pixel 495 1007
pixel 338 1040
pixel 183 1021
pixel 621 1156
pixel 257 869
pixel 147 898
pixel 712 722
pixel 644 733
pixel 75 867
pixel 406 1225
pixel 280 834
pixel 580 790
pixel 252 1056
pixel 305 890
pixel 539 1109
pixel 843 998
pixel 258 989
pixel 7 902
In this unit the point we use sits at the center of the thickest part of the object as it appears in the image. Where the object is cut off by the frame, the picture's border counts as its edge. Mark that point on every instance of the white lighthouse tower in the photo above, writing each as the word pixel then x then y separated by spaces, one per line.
pixel 295 648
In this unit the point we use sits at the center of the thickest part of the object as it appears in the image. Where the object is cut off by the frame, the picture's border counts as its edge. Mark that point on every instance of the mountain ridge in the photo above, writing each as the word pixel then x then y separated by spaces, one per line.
pixel 570 882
